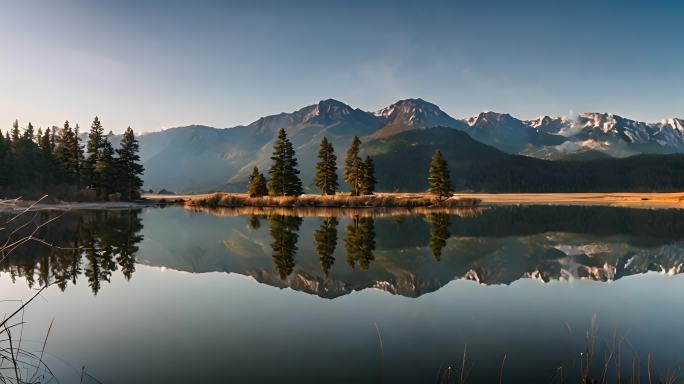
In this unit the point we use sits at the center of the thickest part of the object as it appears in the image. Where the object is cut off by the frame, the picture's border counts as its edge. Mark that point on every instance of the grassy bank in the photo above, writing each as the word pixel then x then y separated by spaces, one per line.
pixel 380 200
pixel 374 212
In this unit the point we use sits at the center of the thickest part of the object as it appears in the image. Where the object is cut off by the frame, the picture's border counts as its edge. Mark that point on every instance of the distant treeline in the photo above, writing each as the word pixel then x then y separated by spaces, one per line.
pixel 54 162
pixel 403 159
pixel 641 173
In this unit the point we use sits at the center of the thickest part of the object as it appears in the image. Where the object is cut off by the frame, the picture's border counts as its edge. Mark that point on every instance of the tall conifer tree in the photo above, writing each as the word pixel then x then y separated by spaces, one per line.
pixel 29 132
pixel 108 172
pixel 93 151
pixel 15 131
pixel 283 179
pixel 326 169
pixel 352 167
pixel 438 176
pixel 130 167
pixel 368 180
pixel 64 154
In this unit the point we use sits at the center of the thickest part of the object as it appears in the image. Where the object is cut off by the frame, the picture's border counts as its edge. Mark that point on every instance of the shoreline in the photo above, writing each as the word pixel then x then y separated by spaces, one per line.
pixel 645 200
pixel 668 200
pixel 617 199
pixel 340 200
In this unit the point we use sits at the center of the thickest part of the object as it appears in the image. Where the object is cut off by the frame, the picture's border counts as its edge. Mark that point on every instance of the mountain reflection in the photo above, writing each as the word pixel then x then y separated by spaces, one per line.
pixel 498 245
pixel 93 244
pixel 405 253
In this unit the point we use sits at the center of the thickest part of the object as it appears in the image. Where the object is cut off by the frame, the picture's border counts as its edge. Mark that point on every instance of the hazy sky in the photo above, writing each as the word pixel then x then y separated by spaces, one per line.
pixel 154 64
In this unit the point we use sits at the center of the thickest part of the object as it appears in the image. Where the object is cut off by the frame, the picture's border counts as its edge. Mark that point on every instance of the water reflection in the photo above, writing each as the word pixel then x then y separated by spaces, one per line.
pixel 325 239
pixel 360 242
pixel 439 233
pixel 407 253
pixel 236 324
pixel 284 236
pixel 93 244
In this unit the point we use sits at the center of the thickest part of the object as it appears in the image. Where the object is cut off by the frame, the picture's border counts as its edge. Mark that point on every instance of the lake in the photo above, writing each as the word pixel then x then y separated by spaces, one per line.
pixel 524 293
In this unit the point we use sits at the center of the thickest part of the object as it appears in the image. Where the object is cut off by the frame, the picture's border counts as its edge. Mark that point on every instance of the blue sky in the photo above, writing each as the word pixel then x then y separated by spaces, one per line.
pixel 154 64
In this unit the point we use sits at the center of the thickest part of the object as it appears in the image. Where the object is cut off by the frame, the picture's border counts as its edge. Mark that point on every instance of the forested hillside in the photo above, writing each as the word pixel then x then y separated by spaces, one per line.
pixel 402 162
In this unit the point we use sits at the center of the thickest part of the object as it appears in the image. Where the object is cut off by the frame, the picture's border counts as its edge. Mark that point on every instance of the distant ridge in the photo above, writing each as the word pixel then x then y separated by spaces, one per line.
pixel 201 158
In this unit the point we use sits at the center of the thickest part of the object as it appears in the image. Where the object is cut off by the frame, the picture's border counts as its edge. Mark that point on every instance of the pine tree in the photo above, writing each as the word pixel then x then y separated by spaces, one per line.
pixel 130 167
pixel 438 176
pixel 29 133
pixel 352 167
pixel 53 138
pixel 64 154
pixel 108 170
pixel 93 151
pixel 44 142
pixel 257 184
pixel 368 180
pixel 283 179
pixel 48 164
pixel 15 131
pixel 78 156
pixel 326 169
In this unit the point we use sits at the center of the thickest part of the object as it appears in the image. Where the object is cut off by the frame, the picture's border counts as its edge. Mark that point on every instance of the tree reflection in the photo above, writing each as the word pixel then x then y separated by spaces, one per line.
pixel 254 222
pixel 439 233
pixel 284 237
pixel 106 240
pixel 360 242
pixel 325 239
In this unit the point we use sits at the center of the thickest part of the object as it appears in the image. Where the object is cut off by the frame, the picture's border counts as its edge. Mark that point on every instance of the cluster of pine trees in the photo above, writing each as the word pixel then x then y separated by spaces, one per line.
pixel 283 176
pixel 54 162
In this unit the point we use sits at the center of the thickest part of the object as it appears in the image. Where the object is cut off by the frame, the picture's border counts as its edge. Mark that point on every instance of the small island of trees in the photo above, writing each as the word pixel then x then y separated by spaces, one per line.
pixel 284 186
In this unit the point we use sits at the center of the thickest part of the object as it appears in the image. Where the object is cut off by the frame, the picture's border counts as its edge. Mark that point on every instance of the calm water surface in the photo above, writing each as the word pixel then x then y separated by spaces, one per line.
pixel 170 295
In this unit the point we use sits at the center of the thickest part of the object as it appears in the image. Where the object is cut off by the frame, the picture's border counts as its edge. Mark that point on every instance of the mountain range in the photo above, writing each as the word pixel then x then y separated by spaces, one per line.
pixel 200 158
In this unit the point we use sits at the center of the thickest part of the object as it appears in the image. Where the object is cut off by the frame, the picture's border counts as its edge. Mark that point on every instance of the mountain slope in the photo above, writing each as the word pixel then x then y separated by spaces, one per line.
pixel 306 128
pixel 402 163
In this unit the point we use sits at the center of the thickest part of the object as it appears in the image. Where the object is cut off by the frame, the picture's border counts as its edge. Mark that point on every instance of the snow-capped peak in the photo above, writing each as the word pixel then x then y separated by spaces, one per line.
pixel 674 123
pixel 384 112
pixel 539 121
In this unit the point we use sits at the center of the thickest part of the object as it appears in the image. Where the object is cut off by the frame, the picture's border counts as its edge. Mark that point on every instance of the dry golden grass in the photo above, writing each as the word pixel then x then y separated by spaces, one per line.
pixel 380 200
pixel 375 212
